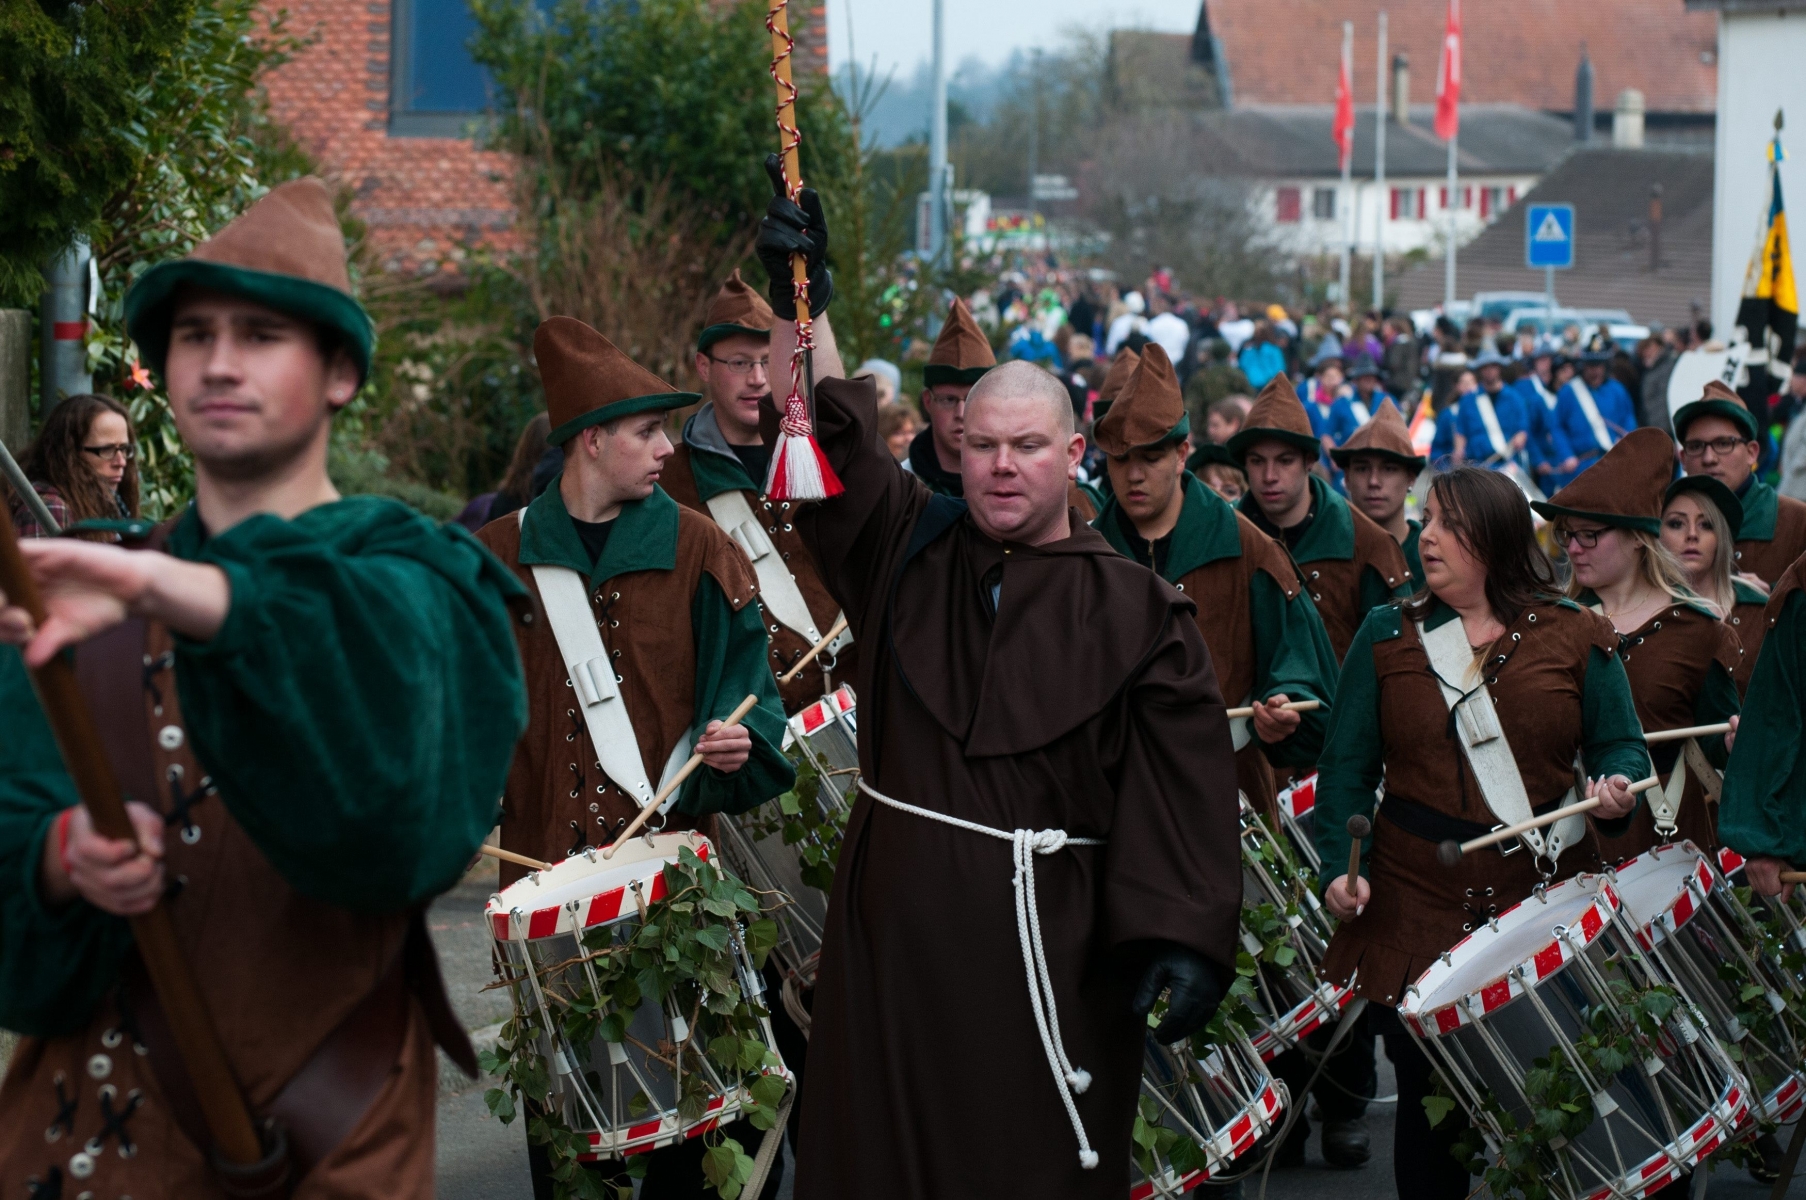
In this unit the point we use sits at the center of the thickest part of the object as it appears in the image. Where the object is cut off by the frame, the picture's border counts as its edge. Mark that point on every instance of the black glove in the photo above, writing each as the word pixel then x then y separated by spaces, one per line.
pixel 790 227
pixel 1195 987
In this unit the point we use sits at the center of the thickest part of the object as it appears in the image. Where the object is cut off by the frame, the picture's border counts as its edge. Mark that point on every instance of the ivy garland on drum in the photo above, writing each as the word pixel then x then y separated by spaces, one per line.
pixel 801 819
pixel 1766 1012
pixel 681 951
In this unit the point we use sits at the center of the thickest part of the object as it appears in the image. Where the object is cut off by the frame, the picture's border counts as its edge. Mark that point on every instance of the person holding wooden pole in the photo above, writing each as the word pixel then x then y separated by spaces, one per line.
pixel 1764 797
pixel 645 638
pixel 1474 701
pixel 309 703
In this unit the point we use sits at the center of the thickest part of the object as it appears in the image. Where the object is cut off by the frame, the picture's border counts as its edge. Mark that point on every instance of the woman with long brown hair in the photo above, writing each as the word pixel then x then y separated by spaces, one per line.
pixel 1488 673
pixel 83 463
pixel 1676 648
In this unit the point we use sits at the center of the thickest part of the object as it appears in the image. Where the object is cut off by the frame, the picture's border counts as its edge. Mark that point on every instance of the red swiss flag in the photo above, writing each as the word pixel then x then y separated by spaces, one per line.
pixel 1448 77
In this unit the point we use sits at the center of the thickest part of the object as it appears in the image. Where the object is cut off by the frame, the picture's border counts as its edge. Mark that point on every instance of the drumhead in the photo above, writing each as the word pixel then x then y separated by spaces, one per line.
pixel 1654 891
pixel 587 889
pixel 1481 972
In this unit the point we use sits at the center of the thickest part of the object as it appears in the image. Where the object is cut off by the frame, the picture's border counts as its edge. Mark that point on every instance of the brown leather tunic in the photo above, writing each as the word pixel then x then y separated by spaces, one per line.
pixel 810 684
pixel 1768 560
pixel 1667 660
pixel 1419 907
pixel 556 790
pixel 277 971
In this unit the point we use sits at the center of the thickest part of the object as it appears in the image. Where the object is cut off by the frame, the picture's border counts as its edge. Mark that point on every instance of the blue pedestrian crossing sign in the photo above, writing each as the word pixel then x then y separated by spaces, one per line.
pixel 1549 236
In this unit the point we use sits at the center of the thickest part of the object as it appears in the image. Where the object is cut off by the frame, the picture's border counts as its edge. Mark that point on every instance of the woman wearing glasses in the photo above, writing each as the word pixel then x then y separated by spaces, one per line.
pixel 84 465
pixel 1676 648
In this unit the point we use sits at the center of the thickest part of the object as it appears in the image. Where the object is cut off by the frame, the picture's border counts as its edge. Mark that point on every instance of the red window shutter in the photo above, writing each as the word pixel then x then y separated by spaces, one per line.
pixel 1467 198
pixel 1442 196
pixel 1394 203
pixel 1290 204
pixel 1511 195
pixel 1485 203
pixel 1423 203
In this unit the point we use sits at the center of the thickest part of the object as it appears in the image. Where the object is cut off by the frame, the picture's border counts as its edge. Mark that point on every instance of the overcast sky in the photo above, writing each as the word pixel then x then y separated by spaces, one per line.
pixel 901 32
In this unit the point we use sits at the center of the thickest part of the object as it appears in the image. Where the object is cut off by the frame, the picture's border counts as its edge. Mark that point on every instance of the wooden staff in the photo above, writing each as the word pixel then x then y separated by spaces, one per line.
pixel 509 856
pixel 816 649
pixel 1449 853
pixel 1675 735
pixel 1289 706
pixel 745 706
pixel 223 1106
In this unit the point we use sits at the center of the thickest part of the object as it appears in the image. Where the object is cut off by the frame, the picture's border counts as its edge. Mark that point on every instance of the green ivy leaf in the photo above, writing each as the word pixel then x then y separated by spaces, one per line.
pixel 1436 1108
pixel 501 1105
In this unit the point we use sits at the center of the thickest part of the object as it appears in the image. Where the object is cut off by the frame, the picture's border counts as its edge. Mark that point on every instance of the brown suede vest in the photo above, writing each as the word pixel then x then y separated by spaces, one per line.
pixel 558 798
pixel 1768 560
pixel 787 646
pixel 1335 584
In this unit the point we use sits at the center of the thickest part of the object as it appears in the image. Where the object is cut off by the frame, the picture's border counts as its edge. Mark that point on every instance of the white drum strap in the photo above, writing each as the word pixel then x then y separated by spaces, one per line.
pixel 1483 738
pixel 1025 844
pixel 1665 805
pixel 1494 433
pixel 1549 398
pixel 1589 408
pixel 565 595
pixel 1709 777
pixel 1360 411
pixel 778 593
pixel 1241 729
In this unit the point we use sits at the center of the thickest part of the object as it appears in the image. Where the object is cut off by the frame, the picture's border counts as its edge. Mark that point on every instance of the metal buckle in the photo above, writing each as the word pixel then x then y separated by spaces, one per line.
pixel 1509 846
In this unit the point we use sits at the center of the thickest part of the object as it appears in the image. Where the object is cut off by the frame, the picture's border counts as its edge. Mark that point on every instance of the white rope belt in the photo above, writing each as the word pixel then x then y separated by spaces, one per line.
pixel 1025 844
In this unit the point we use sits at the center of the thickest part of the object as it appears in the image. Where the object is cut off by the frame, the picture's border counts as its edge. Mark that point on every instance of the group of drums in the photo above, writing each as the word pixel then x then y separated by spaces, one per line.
pixel 1698 986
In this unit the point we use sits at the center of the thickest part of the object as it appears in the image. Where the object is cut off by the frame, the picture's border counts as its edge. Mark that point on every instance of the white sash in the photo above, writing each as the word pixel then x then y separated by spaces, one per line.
pixel 1362 416
pixel 1494 433
pixel 1589 408
pixel 565 595
pixel 1549 397
pixel 1241 729
pixel 1488 751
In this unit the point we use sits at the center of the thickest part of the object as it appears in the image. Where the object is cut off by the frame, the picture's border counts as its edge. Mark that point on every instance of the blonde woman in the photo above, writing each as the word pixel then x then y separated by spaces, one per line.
pixel 1678 652
pixel 1701 521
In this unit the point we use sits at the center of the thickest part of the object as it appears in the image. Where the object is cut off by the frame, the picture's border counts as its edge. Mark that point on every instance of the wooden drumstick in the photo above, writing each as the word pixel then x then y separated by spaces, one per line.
pixel 1358 828
pixel 1793 876
pixel 1449 853
pixel 1290 706
pixel 509 856
pixel 684 772
pixel 1675 735
pixel 814 650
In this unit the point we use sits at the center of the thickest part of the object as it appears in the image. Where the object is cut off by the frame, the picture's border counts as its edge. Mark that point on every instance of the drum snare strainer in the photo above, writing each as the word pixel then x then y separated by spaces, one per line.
pixel 1544 975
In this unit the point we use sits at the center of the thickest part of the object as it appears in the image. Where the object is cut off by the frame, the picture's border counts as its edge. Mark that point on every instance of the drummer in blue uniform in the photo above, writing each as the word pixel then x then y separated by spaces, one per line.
pixel 1491 428
pixel 1593 409
pixel 1319 392
pixel 1358 406
pixel 1442 442
pixel 1551 459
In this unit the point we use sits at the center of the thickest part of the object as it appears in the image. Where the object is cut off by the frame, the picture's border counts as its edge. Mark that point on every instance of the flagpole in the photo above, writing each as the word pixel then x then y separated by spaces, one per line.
pixel 1381 201
pixel 1448 272
pixel 1348 221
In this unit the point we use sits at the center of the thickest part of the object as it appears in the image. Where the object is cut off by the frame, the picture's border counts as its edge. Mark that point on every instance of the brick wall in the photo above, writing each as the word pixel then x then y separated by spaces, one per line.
pixel 423 199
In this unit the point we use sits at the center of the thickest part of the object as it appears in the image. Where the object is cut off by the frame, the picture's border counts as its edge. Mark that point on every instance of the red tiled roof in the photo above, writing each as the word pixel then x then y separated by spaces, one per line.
pixel 1522 52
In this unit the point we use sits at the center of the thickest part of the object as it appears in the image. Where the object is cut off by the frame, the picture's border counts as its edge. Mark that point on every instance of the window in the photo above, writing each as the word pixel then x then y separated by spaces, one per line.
pixel 1323 203
pixel 435 87
pixel 1408 204
pixel 1492 202
pixel 1466 197
pixel 1289 203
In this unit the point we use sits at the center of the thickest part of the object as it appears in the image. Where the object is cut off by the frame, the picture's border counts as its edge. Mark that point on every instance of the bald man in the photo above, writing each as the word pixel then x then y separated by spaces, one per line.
pixel 1022 676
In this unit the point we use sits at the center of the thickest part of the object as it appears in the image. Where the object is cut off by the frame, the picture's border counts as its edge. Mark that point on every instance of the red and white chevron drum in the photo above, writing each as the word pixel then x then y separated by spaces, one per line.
pixel 622 1095
pixel 1224 1102
pixel 1529 982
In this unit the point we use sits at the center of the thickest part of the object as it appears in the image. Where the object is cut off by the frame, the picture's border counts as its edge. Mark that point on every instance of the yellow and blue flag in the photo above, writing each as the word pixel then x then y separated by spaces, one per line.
pixel 1770 302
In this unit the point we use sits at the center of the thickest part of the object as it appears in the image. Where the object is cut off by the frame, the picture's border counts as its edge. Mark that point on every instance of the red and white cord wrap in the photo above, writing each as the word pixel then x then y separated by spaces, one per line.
pixel 1025 844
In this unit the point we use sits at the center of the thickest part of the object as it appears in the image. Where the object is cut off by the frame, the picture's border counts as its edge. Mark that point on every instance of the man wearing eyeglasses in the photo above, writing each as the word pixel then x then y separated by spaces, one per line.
pixel 719 469
pixel 1719 437
pixel 960 358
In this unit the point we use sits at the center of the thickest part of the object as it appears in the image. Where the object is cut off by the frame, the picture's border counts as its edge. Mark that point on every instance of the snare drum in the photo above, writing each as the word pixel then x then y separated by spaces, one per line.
pixel 1533 981
pixel 1766 936
pixel 655 1081
pixel 1218 1106
pixel 1297 807
pixel 1279 892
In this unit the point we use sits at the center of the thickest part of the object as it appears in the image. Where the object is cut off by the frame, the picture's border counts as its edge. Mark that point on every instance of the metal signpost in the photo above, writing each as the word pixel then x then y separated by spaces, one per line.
pixel 1549 243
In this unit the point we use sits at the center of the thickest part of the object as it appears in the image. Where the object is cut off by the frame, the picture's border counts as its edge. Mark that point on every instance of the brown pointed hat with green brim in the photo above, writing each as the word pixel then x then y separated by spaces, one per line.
pixel 736 309
pixel 1716 401
pixel 1385 436
pixel 1623 489
pixel 1149 411
pixel 588 381
pixel 1115 379
pixel 285 252
pixel 962 354
pixel 1277 416
pixel 1704 485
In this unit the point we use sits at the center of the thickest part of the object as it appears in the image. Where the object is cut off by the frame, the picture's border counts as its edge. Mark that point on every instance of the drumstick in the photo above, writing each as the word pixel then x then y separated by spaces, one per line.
pixel 1793 876
pixel 1290 706
pixel 808 658
pixel 509 856
pixel 1358 828
pixel 1675 735
pixel 1449 853
pixel 745 706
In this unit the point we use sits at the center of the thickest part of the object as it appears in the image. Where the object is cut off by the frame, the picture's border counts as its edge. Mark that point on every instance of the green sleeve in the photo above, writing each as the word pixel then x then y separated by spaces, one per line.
pixel 1764 792
pixel 1375 591
pixel 1292 655
pixel 1716 703
pixel 359 707
pixel 54 964
pixel 732 663
pixel 1353 762
pixel 1611 737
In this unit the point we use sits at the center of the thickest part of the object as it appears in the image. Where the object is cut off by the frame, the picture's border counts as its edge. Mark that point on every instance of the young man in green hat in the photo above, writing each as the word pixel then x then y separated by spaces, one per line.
pixel 1719 437
pixel 617 569
pixel 311 702
pixel 1379 465
pixel 718 469
pixel 1348 564
pixel 960 358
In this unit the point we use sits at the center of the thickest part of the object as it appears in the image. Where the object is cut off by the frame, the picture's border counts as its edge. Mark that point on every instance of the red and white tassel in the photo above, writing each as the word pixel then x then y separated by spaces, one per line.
pixel 799 469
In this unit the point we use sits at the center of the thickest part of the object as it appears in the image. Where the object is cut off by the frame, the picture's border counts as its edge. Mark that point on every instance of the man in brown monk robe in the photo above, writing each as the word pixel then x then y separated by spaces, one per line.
pixel 1057 702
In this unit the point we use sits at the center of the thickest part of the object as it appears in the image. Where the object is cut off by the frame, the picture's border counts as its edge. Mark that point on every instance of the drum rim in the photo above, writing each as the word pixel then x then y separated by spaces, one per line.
pixel 1683 905
pixel 514 922
pixel 1499 990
